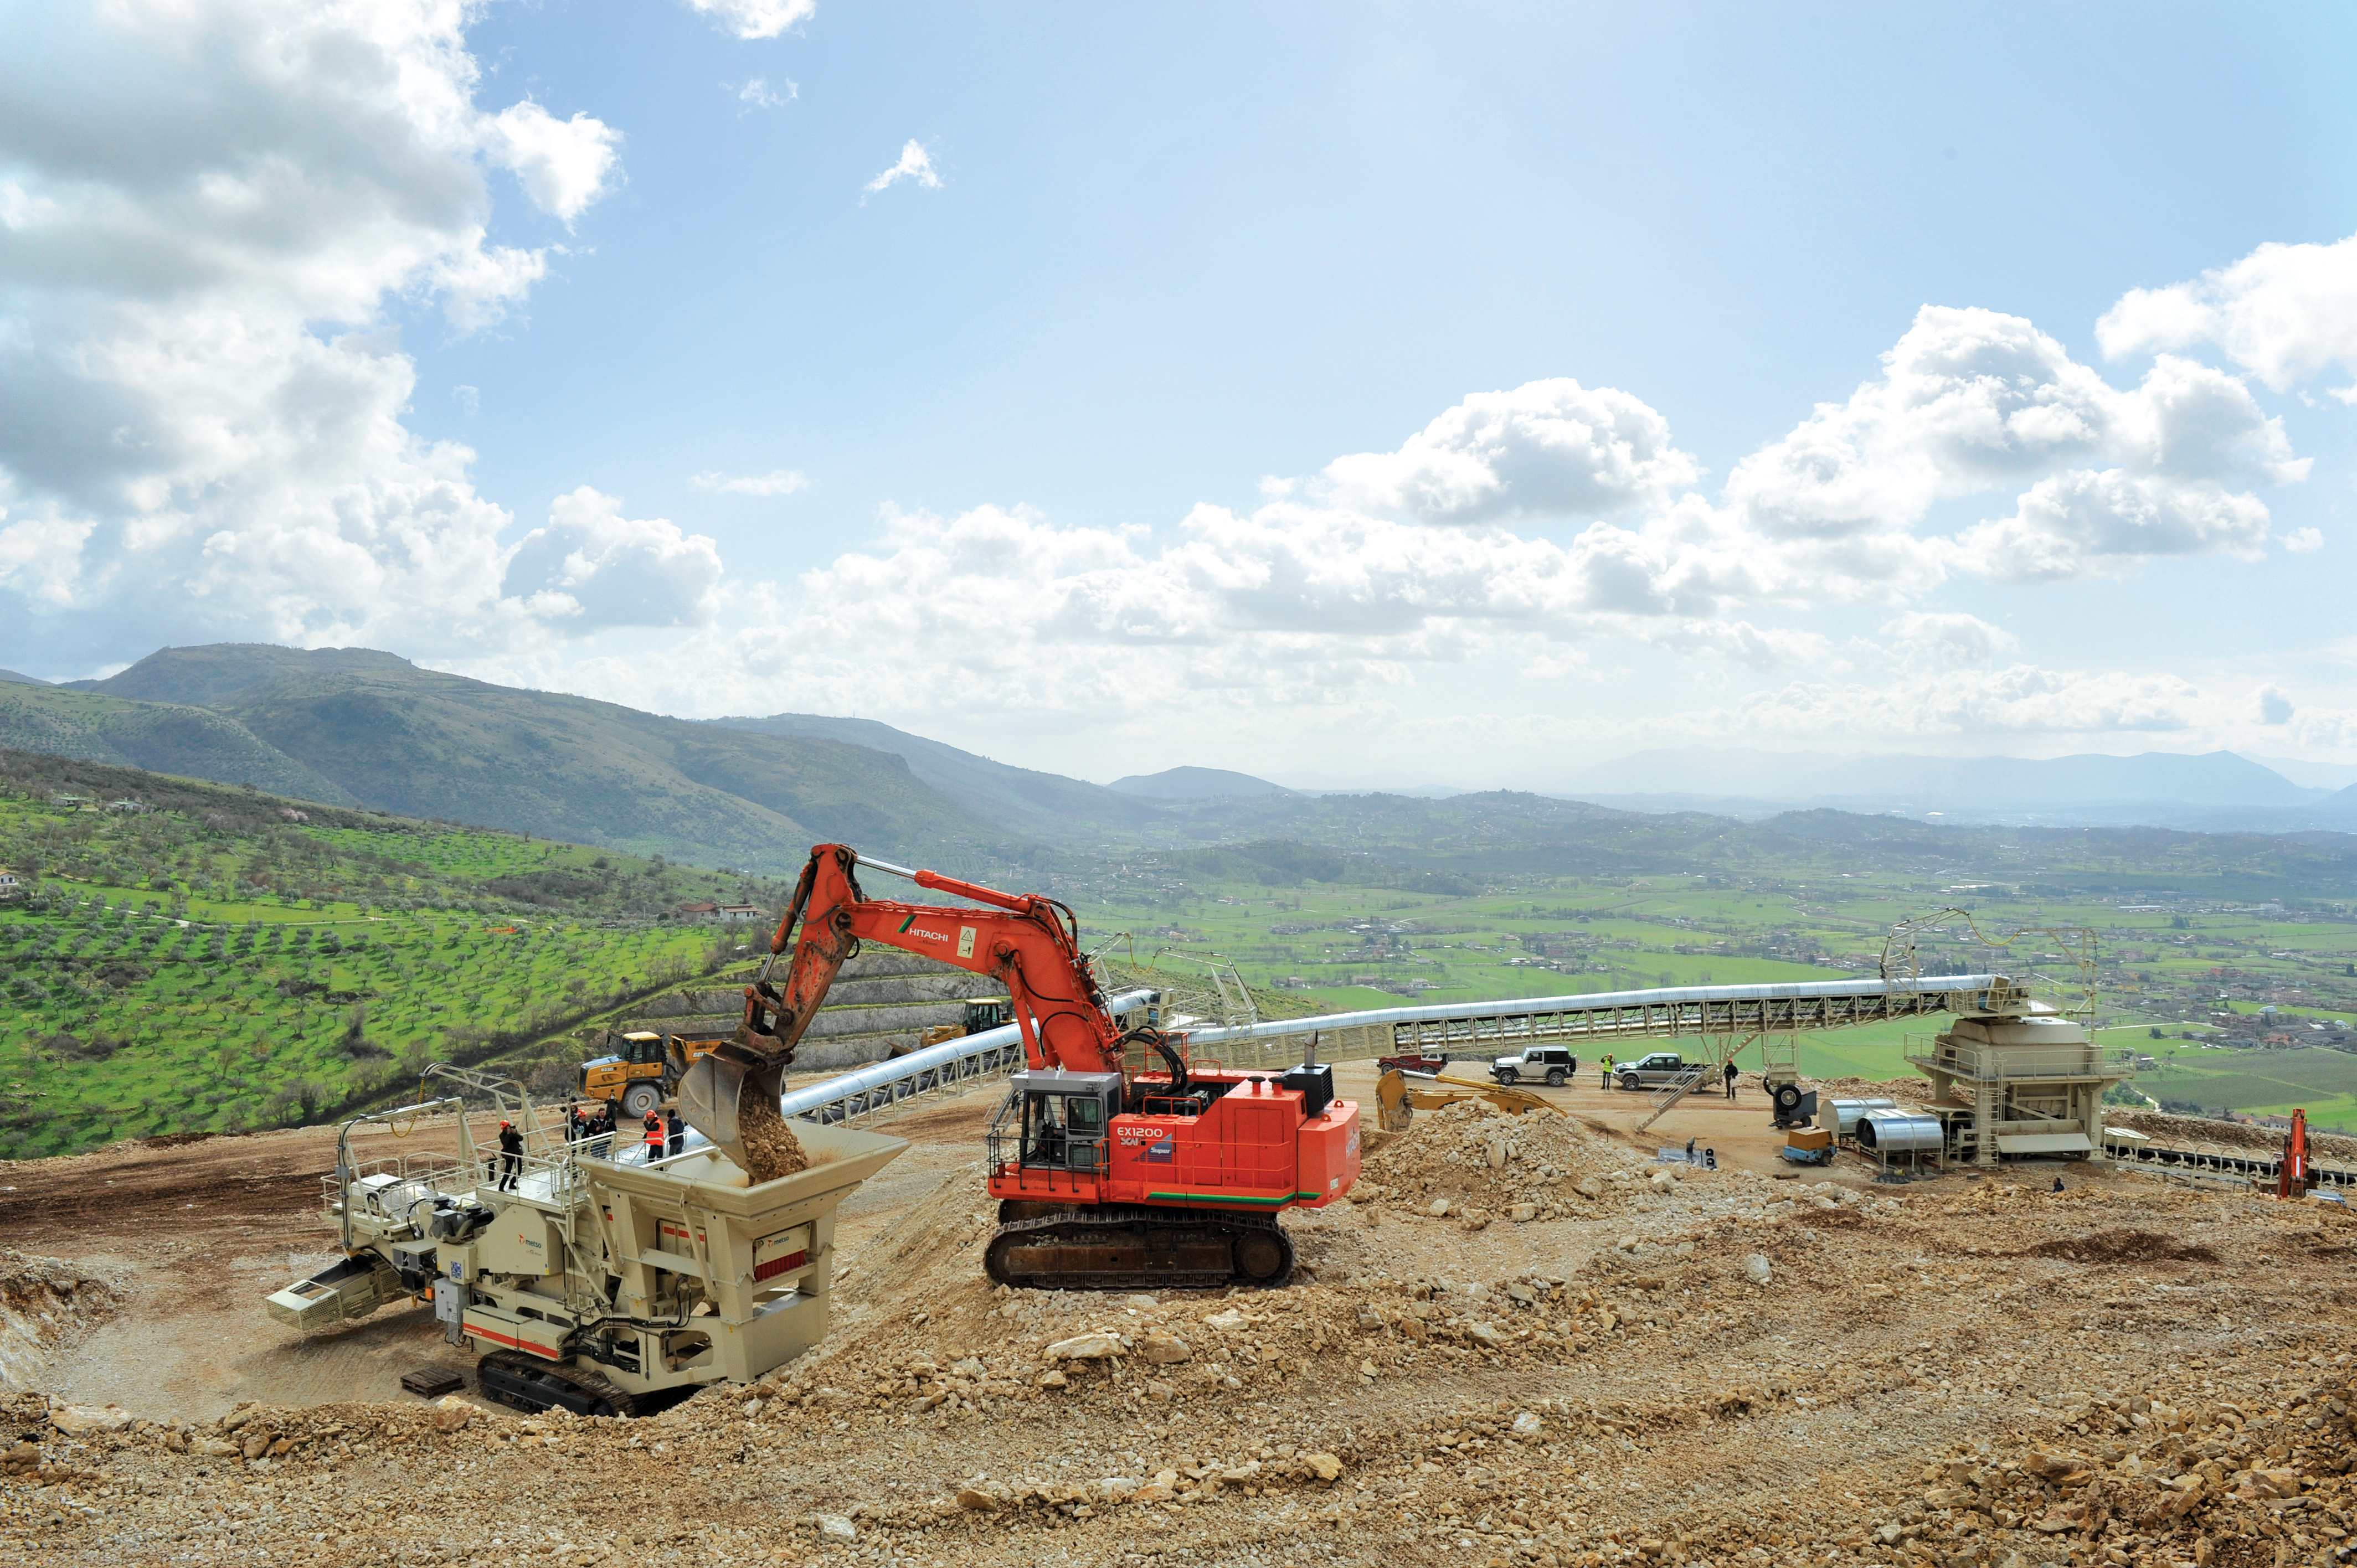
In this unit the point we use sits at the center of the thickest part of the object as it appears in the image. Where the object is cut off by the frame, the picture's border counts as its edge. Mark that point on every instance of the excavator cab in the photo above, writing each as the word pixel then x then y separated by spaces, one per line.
pixel 1066 1118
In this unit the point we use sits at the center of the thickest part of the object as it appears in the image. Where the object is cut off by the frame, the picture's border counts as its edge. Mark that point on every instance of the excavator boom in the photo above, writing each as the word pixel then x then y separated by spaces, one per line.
pixel 1027 942
pixel 1105 1178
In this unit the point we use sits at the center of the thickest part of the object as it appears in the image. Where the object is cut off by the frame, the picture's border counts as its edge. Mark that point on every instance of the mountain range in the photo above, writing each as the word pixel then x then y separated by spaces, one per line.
pixel 356 728
pixel 359 728
pixel 1042 804
pixel 2218 790
pixel 1196 784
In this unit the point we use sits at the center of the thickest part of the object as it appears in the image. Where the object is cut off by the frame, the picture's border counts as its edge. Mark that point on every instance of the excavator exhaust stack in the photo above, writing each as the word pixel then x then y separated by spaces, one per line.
pixel 713 1089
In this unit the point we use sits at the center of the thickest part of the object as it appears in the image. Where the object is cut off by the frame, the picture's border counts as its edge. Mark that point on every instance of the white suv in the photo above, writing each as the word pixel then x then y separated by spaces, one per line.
pixel 1553 1063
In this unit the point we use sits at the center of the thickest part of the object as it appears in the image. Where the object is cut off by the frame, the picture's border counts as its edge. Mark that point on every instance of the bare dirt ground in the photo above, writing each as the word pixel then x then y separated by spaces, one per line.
pixel 1524 1342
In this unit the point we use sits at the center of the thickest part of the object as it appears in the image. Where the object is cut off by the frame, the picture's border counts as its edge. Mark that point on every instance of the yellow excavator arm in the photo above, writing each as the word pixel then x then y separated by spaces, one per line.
pixel 1399 1098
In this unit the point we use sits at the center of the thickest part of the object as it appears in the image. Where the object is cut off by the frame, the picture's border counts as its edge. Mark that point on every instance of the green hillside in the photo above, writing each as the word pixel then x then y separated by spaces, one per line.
pixel 357 727
pixel 1048 805
pixel 160 737
pixel 221 959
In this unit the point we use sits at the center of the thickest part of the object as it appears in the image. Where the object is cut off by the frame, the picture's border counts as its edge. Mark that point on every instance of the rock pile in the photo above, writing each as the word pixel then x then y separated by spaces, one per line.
pixel 46 1304
pixel 1472 1163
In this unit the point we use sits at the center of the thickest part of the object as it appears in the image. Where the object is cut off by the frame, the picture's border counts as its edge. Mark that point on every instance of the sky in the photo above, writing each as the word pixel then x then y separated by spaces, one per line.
pixel 1346 394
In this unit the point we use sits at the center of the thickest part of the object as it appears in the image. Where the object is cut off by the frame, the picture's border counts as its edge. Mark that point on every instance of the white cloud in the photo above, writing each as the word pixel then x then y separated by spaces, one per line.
pixel 40 557
pixel 1946 640
pixel 468 399
pixel 916 164
pixel 1549 450
pixel 776 482
pixel 1972 401
pixel 2021 699
pixel 757 93
pixel 211 204
pixel 593 567
pixel 1739 642
pixel 756 19
pixel 2085 523
pixel 477 287
pixel 2284 312
pixel 2273 706
pixel 564 164
pixel 2299 541
pixel 1347 587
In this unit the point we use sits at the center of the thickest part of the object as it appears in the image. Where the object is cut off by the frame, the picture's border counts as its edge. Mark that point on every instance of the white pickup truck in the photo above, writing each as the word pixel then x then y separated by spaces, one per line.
pixel 1556 1064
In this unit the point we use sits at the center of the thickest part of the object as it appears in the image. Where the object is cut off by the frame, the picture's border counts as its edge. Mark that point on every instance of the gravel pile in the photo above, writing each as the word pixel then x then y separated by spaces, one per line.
pixel 1906 1090
pixel 1471 1162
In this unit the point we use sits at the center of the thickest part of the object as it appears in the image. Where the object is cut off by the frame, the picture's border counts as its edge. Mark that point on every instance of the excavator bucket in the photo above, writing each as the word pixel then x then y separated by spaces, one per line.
pixel 717 1084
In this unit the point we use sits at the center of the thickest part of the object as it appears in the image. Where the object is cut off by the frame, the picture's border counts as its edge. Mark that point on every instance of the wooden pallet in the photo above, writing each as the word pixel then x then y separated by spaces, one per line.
pixel 432 1381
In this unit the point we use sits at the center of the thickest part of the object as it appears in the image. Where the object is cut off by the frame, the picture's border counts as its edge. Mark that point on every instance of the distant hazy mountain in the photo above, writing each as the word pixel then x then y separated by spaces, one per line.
pixel 2309 775
pixel 1046 804
pixel 2153 786
pixel 1195 784
pixel 1734 771
pixel 9 677
pixel 2338 809
pixel 359 728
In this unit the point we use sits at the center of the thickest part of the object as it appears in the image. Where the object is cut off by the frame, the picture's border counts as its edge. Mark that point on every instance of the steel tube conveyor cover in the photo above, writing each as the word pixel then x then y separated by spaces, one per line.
pixel 880 1075
pixel 1898 1133
pixel 1848 1112
pixel 1599 1002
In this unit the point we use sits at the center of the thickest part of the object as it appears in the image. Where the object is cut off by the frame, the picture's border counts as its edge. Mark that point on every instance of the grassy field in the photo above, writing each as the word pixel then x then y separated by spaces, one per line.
pixel 2321 1082
pixel 2200 974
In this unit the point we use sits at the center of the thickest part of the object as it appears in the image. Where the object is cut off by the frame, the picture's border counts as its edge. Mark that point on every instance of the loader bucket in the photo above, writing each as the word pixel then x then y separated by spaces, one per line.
pixel 714 1086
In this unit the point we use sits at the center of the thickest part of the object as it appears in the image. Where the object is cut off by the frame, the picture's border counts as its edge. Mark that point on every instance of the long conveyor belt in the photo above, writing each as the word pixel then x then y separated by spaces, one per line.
pixel 1604 1016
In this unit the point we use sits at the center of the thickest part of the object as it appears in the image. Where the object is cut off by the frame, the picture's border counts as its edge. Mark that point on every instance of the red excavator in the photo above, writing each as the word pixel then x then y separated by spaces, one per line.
pixel 1108 1175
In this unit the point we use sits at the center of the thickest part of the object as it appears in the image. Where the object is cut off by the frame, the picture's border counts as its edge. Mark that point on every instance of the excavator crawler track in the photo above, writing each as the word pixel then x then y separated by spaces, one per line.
pixel 1124 1248
pixel 527 1382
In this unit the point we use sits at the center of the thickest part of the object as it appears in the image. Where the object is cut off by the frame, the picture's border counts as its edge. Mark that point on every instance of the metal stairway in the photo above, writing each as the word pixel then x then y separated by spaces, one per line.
pixel 1669 1095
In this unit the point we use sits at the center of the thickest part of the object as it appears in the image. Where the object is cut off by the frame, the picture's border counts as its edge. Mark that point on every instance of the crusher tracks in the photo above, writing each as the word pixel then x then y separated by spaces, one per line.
pixel 1121 1248
pixel 527 1382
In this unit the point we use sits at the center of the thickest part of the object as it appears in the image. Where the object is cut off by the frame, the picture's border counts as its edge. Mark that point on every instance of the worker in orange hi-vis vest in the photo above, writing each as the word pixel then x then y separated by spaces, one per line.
pixel 655 1132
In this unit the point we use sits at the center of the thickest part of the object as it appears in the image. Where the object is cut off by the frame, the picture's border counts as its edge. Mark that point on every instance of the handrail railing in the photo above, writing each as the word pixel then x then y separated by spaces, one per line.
pixel 2090 1060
